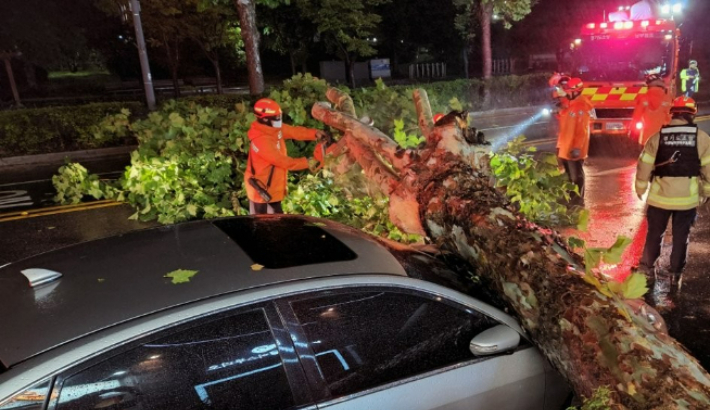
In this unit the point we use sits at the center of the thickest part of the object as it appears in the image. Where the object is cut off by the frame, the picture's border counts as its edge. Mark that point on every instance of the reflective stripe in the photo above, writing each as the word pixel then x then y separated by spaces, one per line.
pixel 677 130
pixel 681 201
pixel 705 161
pixel 647 158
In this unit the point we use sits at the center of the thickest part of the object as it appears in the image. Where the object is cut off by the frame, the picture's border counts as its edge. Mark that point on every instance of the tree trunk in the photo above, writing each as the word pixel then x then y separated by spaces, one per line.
pixel 593 337
pixel 30 74
pixel 11 80
pixel 173 62
pixel 351 72
pixel 250 35
pixel 486 14
pixel 293 63
pixel 218 73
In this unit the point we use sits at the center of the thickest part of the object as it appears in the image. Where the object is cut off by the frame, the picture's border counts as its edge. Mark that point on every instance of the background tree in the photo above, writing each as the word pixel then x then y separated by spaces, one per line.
pixel 480 13
pixel 214 28
pixel 345 26
pixel 288 33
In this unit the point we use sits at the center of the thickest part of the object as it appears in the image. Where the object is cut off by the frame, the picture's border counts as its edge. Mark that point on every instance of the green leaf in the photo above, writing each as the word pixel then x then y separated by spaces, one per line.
pixel 180 276
pixel 614 254
pixel 635 286
pixel 576 243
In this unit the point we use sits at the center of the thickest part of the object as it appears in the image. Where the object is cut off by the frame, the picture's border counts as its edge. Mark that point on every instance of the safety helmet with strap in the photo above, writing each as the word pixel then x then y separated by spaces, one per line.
pixel 267 108
pixel 574 85
pixel 684 105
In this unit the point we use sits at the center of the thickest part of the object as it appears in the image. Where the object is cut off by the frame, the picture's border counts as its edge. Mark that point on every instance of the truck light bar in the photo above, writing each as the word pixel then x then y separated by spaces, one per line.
pixel 640 26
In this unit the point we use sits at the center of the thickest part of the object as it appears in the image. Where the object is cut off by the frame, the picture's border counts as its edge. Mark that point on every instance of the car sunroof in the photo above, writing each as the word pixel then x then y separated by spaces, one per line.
pixel 278 243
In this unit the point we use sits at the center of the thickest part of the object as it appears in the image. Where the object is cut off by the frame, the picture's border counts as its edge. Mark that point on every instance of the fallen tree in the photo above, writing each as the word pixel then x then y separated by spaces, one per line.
pixel 593 336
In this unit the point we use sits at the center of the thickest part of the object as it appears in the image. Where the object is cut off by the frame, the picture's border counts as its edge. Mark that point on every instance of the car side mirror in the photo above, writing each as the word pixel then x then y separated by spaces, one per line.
pixel 498 339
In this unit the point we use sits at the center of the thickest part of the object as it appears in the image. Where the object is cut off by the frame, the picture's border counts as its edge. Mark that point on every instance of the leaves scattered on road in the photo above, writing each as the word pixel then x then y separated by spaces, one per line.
pixel 180 276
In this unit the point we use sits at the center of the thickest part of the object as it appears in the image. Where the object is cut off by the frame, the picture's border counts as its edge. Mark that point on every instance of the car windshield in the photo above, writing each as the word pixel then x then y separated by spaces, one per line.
pixel 622 59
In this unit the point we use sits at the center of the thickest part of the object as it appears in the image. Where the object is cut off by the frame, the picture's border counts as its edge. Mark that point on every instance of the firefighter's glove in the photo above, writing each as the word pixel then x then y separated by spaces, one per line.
pixel 575 153
pixel 324 138
pixel 319 152
pixel 313 165
pixel 640 196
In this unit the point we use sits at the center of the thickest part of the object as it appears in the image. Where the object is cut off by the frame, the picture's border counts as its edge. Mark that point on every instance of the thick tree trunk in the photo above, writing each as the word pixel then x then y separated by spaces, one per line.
pixel 486 14
pixel 250 35
pixel 11 80
pixel 446 192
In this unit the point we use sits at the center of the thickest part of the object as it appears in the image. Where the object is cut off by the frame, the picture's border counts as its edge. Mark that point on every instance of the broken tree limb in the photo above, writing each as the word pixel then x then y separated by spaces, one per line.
pixel 381 143
pixel 424 115
pixel 593 339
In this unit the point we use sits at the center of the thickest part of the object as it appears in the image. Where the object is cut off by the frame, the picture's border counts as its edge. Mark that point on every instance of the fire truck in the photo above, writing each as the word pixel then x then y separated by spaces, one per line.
pixel 613 59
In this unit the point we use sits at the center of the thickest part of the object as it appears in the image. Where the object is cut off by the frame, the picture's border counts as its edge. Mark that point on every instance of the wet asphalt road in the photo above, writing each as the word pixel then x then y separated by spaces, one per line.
pixel 613 205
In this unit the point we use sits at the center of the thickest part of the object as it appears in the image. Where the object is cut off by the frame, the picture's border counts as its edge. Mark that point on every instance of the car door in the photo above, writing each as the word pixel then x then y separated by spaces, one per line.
pixel 389 348
pixel 240 360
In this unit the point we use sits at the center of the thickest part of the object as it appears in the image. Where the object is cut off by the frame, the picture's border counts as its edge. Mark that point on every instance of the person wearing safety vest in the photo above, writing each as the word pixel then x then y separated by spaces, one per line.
pixel 557 83
pixel 675 165
pixel 690 79
pixel 653 109
pixel 268 164
pixel 573 138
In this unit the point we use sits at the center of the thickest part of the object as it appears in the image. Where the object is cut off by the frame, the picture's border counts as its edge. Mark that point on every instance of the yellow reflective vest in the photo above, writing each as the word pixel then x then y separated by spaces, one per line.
pixel 674 193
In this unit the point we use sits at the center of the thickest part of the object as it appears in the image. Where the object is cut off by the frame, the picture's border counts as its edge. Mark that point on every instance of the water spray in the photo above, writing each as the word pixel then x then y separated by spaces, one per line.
pixel 520 129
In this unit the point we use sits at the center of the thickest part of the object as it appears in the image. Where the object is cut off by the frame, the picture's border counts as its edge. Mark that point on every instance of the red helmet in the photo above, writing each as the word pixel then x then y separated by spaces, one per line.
pixel 574 85
pixel 437 117
pixel 682 105
pixel 267 108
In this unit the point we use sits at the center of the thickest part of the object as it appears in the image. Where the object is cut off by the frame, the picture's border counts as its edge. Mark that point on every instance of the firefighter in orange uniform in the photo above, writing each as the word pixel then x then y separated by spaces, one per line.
pixel 653 109
pixel 268 164
pixel 573 139
pixel 561 103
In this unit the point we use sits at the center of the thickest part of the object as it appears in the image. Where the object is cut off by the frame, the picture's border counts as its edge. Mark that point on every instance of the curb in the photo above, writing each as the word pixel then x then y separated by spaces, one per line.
pixel 61 157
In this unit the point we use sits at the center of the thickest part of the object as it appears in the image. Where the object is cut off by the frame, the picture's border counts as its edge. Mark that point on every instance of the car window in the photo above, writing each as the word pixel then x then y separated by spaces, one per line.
pixel 30 399
pixel 365 339
pixel 230 363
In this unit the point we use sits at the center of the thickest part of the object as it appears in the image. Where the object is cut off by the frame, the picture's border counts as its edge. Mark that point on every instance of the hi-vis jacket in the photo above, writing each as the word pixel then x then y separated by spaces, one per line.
pixel 267 149
pixel 690 79
pixel 677 193
pixel 653 109
pixel 575 128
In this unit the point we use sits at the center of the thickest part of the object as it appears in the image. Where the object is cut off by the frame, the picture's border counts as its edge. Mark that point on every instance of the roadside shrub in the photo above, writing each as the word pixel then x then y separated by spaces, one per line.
pixel 57 129
pixel 191 158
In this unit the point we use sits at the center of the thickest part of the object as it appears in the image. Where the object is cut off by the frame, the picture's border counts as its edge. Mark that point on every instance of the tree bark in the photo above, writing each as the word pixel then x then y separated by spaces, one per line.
pixel 486 14
pixel 218 73
pixel 250 35
pixel 351 72
pixel 11 80
pixel 445 191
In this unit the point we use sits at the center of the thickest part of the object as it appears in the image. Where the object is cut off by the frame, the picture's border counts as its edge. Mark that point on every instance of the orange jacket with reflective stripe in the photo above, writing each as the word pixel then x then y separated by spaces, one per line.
pixel 267 149
pixel 575 127
pixel 653 109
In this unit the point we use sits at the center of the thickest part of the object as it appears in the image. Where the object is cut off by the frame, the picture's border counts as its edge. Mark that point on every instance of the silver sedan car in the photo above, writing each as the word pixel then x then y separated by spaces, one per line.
pixel 255 313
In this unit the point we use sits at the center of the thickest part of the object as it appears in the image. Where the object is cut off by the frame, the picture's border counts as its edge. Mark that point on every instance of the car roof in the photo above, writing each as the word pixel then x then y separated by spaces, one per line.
pixel 113 280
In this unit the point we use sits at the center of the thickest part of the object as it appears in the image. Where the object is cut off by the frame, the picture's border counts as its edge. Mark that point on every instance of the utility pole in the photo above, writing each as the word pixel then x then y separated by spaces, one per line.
pixel 143 54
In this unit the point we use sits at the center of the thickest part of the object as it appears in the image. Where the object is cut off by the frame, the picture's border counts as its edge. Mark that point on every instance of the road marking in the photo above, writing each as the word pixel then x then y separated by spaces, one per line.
pixel 14 199
pixel 34 213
